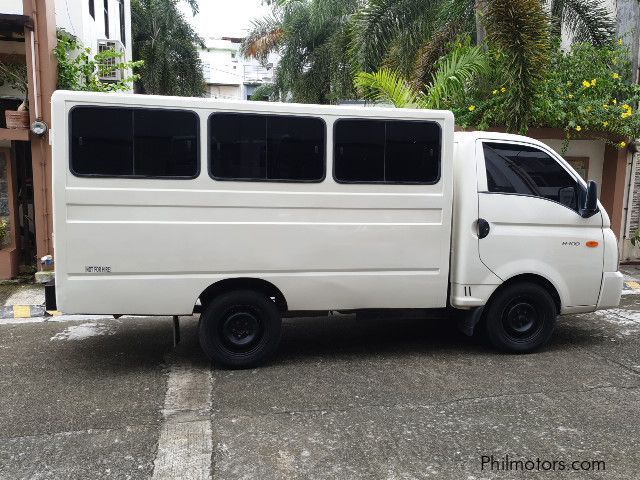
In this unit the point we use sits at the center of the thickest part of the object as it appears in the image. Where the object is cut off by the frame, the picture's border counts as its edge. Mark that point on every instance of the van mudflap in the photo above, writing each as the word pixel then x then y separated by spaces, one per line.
pixel 50 296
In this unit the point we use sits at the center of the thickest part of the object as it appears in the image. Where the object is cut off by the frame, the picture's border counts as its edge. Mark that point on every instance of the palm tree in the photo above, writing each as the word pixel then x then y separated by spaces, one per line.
pixel 311 37
pixel 169 47
pixel 448 85
pixel 426 26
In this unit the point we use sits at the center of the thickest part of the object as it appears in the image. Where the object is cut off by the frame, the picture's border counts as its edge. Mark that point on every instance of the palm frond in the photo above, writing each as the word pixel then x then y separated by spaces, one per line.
pixel 519 30
pixel 455 72
pixel 265 37
pixel 586 20
pixel 386 86
pixel 380 22
pixel 427 58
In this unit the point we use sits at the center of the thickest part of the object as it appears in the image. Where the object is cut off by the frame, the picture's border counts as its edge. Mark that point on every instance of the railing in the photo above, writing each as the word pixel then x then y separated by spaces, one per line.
pixel 258 74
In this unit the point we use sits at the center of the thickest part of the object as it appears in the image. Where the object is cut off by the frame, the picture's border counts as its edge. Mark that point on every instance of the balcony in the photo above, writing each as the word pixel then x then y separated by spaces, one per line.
pixel 258 74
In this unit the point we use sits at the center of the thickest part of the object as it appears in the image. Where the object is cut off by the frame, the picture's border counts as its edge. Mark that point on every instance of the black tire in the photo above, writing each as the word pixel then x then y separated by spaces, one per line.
pixel 520 318
pixel 240 329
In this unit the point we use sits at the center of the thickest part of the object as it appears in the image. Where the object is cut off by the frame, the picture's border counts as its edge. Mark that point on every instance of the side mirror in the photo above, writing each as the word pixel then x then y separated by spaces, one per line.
pixel 590 206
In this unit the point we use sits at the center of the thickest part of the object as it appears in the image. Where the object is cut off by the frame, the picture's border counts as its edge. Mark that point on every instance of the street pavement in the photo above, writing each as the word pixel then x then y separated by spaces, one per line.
pixel 345 398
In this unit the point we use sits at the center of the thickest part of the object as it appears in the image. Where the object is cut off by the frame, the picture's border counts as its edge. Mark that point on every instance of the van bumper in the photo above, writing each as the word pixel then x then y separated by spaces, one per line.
pixel 611 290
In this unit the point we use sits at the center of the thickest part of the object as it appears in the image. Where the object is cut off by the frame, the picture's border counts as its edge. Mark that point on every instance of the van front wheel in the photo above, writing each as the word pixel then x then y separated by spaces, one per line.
pixel 240 329
pixel 520 318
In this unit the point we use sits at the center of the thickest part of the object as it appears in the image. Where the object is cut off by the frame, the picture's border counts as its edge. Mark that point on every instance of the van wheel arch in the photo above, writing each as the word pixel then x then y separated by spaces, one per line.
pixel 532 278
pixel 255 284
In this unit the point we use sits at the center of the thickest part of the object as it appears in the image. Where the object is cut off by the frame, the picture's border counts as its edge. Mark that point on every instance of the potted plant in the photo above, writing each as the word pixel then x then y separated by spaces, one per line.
pixel 15 75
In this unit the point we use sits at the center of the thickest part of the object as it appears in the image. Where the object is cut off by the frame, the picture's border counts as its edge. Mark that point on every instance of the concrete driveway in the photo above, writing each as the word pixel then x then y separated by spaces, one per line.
pixel 345 398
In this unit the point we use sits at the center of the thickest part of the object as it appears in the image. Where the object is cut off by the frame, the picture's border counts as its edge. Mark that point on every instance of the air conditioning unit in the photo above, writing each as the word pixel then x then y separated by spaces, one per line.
pixel 115 74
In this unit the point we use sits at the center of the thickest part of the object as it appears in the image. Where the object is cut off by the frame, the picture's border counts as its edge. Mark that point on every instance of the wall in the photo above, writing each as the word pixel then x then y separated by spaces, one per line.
pixel 221 62
pixel 11 7
pixel 632 204
pixel 233 92
pixel 594 149
pixel 74 17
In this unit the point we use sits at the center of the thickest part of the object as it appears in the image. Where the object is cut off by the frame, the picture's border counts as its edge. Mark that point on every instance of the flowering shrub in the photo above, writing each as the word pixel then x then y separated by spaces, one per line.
pixel 587 89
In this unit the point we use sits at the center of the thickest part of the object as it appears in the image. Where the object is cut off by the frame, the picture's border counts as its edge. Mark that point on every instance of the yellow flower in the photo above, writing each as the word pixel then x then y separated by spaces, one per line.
pixel 606 107
pixel 616 76
pixel 503 89
pixel 614 101
pixel 622 144
pixel 586 83
pixel 495 92
pixel 578 128
pixel 620 42
pixel 593 82
pixel 605 124
pixel 472 108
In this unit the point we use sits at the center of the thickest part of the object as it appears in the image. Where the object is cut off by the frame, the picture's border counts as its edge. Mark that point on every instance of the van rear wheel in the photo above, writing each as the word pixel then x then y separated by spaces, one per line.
pixel 520 318
pixel 240 329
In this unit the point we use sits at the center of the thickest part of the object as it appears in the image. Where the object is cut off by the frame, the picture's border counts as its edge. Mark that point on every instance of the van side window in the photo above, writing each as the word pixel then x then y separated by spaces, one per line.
pixel 527 170
pixel 387 151
pixel 134 142
pixel 250 147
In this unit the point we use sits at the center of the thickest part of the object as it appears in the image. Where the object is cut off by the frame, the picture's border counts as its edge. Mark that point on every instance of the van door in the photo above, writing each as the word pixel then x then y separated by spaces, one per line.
pixel 528 201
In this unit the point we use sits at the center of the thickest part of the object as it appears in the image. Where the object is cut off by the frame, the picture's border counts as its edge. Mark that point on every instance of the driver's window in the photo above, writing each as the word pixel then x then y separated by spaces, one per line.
pixel 527 170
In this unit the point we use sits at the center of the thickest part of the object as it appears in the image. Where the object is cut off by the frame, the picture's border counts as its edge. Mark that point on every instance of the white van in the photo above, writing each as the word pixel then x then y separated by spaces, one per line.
pixel 261 210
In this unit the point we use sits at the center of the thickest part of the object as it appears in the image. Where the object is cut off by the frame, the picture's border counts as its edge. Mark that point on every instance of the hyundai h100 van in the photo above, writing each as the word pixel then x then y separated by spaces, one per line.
pixel 253 211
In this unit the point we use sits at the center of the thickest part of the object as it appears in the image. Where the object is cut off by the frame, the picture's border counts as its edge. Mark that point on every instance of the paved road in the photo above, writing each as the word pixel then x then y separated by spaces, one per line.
pixel 345 398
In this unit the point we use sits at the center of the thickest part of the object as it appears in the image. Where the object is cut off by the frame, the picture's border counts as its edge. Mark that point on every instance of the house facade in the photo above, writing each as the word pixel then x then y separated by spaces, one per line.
pixel 27 39
pixel 228 74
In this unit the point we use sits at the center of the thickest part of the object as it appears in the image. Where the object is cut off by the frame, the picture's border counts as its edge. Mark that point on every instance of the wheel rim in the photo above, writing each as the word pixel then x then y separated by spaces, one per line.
pixel 241 328
pixel 522 319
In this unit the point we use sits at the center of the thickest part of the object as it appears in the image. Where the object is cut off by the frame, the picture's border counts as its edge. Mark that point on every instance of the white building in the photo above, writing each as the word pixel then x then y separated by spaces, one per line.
pixel 97 24
pixel 228 74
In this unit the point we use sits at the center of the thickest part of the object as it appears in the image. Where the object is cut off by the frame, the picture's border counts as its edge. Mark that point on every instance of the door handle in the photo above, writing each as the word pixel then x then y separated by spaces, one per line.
pixel 483 228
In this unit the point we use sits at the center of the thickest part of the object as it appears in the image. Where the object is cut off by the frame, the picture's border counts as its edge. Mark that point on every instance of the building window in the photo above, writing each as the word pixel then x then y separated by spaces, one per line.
pixel 92 9
pixel 524 170
pixel 123 36
pixel 386 151
pixel 134 142
pixel 266 147
pixel 106 18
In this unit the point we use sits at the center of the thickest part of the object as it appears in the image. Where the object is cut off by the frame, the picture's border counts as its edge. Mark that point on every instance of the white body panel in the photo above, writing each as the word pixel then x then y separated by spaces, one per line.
pixel 324 245
pixel 538 236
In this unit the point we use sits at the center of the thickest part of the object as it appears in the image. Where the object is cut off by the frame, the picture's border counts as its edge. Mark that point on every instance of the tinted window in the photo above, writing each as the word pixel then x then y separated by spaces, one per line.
pixel 266 147
pixel 379 151
pixel 134 142
pixel 101 141
pixel 528 171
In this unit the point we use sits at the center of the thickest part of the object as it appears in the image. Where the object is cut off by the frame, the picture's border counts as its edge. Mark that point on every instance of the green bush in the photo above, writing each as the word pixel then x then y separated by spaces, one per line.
pixel 585 90
pixel 79 70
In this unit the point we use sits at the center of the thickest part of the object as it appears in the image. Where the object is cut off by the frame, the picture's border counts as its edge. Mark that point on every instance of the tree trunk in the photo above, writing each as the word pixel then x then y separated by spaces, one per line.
pixel 627 21
pixel 481 32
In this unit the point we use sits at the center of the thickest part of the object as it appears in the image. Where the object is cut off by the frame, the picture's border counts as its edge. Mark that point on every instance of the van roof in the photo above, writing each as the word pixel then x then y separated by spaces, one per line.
pixel 488 135
pixel 245 106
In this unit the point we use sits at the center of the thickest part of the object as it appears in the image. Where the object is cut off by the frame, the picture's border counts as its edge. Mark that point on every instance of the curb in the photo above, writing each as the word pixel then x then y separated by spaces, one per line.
pixel 631 285
pixel 26 311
